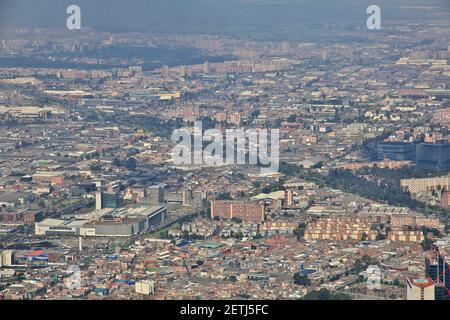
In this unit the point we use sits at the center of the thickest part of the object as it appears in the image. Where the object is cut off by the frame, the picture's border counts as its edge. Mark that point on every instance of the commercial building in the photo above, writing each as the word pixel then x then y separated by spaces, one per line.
pixel 399 151
pixel 434 155
pixel 155 194
pixel 438 269
pixel 114 222
pixel 52 227
pixel 107 200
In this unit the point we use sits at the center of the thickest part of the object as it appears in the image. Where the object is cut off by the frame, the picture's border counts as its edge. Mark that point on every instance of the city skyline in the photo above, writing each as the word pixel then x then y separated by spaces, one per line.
pixel 209 150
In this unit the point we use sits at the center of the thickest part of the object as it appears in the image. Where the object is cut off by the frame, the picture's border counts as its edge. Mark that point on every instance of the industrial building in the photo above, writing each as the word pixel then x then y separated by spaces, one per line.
pixel 121 222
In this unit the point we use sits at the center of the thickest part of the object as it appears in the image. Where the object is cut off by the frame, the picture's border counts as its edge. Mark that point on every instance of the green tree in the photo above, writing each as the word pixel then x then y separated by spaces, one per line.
pixel 292 118
pixel 131 164
pixel 325 294
pixel 116 162
pixel 301 279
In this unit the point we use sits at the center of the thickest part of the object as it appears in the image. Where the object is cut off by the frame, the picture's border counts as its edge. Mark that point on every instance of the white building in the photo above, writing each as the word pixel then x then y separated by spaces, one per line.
pixel 145 287
pixel 7 258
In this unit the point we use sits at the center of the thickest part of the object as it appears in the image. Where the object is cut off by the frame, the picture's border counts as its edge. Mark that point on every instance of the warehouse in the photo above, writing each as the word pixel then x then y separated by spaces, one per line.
pixel 121 222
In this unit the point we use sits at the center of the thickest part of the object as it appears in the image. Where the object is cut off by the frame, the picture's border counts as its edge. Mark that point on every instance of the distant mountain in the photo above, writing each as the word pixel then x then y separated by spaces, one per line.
pixel 215 16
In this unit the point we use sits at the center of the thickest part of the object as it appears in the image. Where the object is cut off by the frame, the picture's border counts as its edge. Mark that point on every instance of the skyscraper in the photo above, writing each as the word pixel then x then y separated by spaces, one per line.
pixel 420 289
pixel 434 155
pixel 98 200
pixel 438 269
pixel 288 198
pixel 107 200
pixel 155 194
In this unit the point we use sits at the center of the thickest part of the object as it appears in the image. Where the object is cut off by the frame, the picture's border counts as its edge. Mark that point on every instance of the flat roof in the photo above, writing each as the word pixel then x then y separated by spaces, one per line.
pixel 52 222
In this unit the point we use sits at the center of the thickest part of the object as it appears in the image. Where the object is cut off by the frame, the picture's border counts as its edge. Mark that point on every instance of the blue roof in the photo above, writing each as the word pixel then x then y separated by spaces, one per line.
pixel 307 271
pixel 183 243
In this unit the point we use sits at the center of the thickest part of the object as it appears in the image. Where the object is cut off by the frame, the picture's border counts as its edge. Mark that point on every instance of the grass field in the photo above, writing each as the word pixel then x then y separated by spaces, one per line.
pixel 156 233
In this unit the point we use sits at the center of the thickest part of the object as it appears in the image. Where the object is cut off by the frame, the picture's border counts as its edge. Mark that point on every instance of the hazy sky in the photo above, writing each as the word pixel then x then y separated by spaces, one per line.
pixel 214 15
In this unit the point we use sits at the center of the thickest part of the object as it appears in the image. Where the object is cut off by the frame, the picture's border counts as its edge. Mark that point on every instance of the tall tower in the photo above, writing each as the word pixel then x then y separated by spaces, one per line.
pixel 98 200
pixel 155 194
pixel 420 289
pixel 206 67
pixel 438 269
pixel 288 198
pixel 182 71
pixel 165 71
pixel 187 197
pixel 8 258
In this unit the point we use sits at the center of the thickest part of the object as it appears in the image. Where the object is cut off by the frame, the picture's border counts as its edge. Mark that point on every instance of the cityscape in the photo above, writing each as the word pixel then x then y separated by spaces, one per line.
pixel 225 150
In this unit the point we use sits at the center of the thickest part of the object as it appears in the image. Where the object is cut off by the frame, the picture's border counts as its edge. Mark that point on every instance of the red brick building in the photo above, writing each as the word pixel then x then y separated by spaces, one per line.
pixel 246 211
pixel 445 201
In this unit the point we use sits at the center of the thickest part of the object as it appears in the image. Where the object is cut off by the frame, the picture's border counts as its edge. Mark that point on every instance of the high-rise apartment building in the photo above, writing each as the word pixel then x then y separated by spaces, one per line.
pixel 420 289
pixel 246 211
